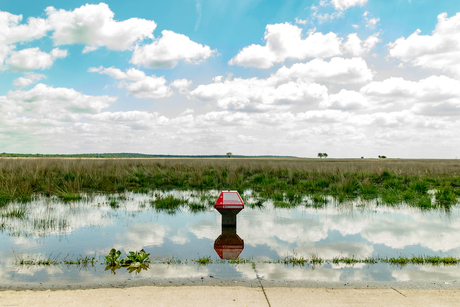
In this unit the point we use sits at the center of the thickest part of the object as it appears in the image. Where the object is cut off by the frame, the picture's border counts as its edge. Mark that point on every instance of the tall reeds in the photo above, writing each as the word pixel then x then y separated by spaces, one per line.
pixel 392 180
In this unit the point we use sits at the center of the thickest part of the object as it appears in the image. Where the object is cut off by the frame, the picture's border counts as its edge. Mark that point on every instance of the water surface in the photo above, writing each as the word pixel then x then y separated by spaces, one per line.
pixel 94 225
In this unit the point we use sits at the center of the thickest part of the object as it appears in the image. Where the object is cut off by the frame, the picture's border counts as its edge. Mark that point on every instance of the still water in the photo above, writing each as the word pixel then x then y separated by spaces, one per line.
pixel 93 226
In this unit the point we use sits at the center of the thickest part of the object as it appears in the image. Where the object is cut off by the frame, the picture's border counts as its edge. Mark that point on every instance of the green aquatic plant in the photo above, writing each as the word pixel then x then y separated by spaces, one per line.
pixel 294 261
pixel 113 258
pixel 169 203
pixel 81 261
pixel 197 207
pixel 445 196
pixel 136 259
pixel 19 213
pixel 133 259
pixel 204 260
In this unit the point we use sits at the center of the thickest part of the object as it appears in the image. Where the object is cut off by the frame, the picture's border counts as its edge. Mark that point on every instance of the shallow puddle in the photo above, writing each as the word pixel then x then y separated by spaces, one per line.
pixel 52 229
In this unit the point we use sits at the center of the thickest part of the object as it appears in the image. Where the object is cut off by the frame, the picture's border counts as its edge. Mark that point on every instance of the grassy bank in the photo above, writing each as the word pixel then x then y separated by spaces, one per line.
pixel 283 180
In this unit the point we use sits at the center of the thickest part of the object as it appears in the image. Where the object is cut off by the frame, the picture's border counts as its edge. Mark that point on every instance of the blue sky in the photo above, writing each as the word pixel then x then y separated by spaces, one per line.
pixel 348 77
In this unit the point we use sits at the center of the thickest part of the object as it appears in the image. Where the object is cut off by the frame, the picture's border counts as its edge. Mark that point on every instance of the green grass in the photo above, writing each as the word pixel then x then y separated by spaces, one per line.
pixel 282 180
pixel 197 207
pixel 19 213
pixel 204 260
pixel 166 203
pixel 137 261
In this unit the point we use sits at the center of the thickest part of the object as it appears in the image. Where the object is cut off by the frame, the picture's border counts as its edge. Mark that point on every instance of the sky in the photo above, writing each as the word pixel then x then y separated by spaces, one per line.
pixel 350 78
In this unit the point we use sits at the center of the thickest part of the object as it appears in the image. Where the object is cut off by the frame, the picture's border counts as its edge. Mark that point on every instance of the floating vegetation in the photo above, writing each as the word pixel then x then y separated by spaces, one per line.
pixel 168 203
pixel 197 207
pixel 204 260
pixel 133 259
pixel 36 260
pixel 139 261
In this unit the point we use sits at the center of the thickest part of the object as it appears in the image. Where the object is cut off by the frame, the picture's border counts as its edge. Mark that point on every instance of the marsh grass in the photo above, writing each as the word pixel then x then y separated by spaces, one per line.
pixel 282 180
pixel 18 213
pixel 204 260
pixel 137 261
pixel 194 207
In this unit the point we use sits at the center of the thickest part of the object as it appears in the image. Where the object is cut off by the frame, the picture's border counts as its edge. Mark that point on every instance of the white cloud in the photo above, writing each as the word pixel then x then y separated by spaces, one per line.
pixel 372 22
pixel 440 51
pixel 94 26
pixel 33 58
pixel 433 96
pixel 137 82
pixel 256 94
pixel 355 46
pixel 345 4
pixel 345 100
pixel 131 74
pixel 300 21
pixel 12 32
pixel 182 85
pixel 45 104
pixel 168 50
pixel 299 84
pixel 337 70
pixel 284 41
pixel 29 79
pixel 151 87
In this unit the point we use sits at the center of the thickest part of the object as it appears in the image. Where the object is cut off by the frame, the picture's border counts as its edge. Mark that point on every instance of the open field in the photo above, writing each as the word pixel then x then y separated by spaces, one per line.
pixel 284 180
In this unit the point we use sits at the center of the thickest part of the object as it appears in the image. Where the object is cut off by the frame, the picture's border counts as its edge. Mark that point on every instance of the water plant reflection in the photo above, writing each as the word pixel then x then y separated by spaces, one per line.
pixel 135 261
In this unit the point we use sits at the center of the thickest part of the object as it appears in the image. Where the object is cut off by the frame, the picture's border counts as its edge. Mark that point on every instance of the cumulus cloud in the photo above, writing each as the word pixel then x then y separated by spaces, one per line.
pixel 440 51
pixel 43 103
pixel 33 58
pixel 167 51
pixel 433 96
pixel 182 85
pixel 137 82
pixel 337 70
pixel 345 4
pixel 256 94
pixel 12 32
pixel 345 100
pixel 357 47
pixel 94 26
pixel 29 79
pixel 284 41
pixel 299 84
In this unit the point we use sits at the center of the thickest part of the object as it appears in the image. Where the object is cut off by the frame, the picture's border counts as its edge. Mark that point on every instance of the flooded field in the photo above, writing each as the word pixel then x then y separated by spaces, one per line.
pixel 348 241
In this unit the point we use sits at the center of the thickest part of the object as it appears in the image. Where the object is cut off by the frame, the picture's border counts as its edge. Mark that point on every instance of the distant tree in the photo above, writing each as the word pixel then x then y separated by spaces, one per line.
pixel 229 154
pixel 324 154
pixel 380 156
pixel 320 154
pixel 362 157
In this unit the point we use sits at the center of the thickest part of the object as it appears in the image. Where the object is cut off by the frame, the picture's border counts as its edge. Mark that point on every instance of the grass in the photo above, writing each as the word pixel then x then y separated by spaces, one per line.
pixel 19 213
pixel 285 181
pixel 32 260
pixel 204 260
pixel 137 261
